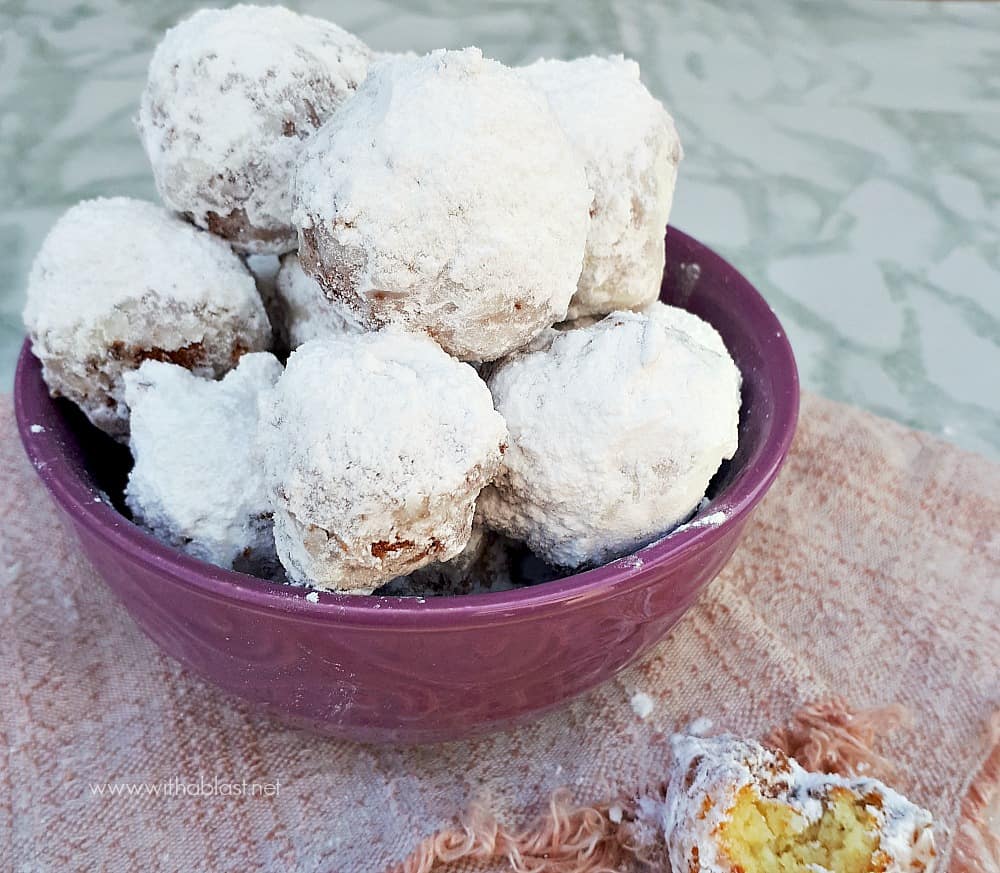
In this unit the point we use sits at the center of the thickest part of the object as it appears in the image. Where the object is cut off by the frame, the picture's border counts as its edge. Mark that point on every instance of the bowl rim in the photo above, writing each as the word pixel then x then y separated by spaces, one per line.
pixel 86 507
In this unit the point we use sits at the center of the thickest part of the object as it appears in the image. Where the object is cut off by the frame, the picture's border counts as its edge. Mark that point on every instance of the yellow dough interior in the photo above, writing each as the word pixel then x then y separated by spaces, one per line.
pixel 765 836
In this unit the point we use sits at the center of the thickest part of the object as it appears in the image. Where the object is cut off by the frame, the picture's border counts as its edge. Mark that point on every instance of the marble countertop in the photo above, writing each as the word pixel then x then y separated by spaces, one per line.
pixel 845 157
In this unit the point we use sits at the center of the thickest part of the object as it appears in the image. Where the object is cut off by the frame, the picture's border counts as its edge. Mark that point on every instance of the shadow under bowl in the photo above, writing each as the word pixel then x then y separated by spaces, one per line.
pixel 392 669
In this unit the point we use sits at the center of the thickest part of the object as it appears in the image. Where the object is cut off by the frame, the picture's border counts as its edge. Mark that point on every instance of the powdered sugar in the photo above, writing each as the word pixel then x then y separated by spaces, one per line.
pixel 376 447
pixel 631 151
pixel 642 704
pixel 230 97
pixel 616 430
pixel 445 198
pixel 118 280
pixel 713 519
pixel 695 328
pixel 700 727
pixel 37 428
pixel 197 482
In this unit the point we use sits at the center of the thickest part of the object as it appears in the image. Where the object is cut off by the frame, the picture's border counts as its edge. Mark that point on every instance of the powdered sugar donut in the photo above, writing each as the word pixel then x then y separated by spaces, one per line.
pixel 732 805
pixel 231 95
pixel 197 481
pixel 615 431
pixel 304 311
pixel 376 446
pixel 631 150
pixel 445 199
pixel 119 281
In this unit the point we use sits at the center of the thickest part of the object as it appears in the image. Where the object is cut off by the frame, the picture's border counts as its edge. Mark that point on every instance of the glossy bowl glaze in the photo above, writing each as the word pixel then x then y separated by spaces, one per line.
pixel 398 669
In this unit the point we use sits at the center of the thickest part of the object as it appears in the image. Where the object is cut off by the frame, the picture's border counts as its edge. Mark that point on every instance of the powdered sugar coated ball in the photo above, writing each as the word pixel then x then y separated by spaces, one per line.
pixel 304 310
pixel 714 782
pixel 231 95
pixel 445 199
pixel 376 447
pixel 197 481
pixel 631 150
pixel 615 431
pixel 118 281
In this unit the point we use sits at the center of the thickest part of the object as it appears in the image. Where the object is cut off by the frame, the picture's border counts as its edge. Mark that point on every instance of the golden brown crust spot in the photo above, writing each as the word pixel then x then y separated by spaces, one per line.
pixel 692 771
pixel 383 547
pixel 236 228
pixel 190 356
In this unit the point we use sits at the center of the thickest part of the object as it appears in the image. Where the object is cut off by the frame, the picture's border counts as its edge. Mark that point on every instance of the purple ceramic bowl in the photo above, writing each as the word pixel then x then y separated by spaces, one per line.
pixel 398 669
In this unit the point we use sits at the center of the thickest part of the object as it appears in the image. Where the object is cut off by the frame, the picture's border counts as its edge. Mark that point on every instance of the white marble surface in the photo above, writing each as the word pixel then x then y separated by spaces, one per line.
pixel 845 156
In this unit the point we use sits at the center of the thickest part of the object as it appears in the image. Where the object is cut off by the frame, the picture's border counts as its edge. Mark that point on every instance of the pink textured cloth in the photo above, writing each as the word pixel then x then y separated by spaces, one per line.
pixel 870 571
